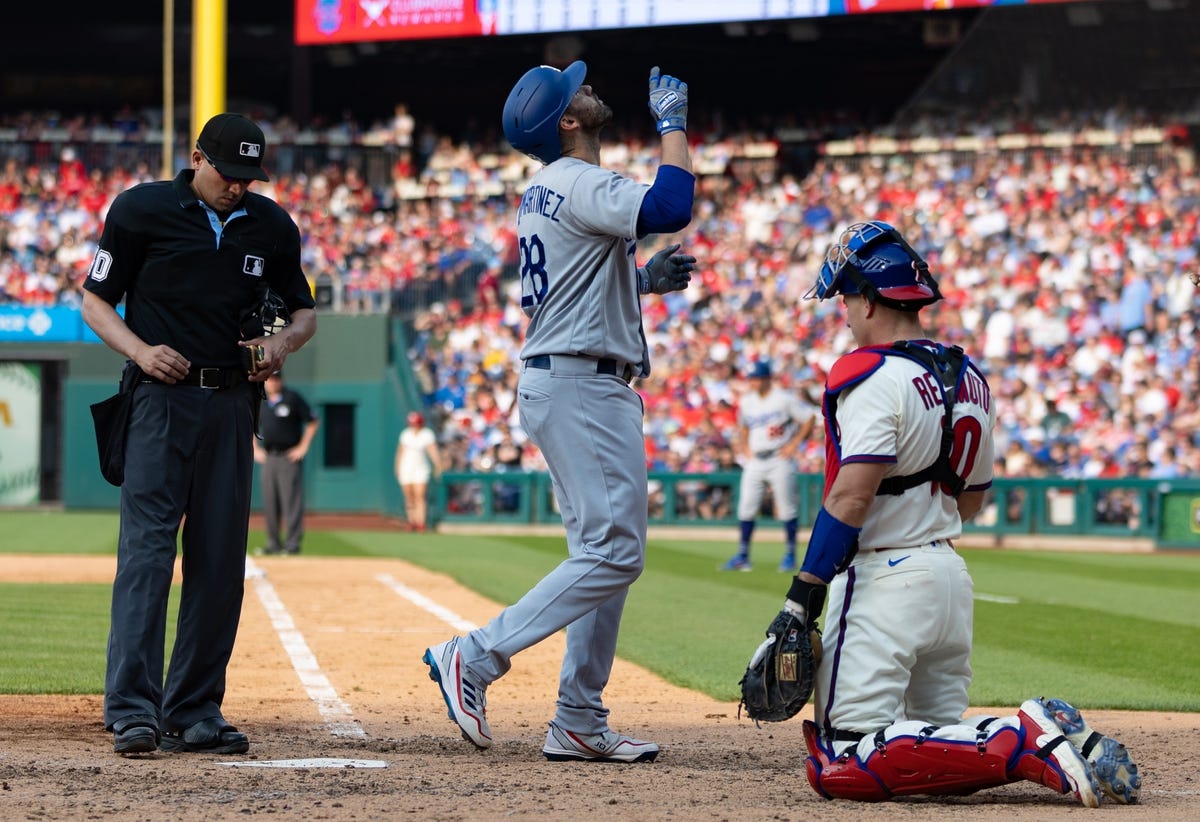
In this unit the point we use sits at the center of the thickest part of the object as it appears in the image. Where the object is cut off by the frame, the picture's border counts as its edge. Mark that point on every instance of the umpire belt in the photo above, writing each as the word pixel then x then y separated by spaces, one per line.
pixel 583 366
pixel 212 378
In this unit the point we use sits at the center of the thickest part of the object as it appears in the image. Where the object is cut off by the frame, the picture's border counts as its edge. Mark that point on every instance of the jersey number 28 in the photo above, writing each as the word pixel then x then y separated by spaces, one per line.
pixel 534 280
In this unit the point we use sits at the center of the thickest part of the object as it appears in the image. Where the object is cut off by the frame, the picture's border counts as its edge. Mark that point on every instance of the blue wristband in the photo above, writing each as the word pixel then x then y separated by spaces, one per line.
pixel 830 543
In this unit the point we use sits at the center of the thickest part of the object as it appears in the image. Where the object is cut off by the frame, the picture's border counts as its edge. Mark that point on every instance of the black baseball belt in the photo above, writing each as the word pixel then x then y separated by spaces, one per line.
pixel 604 365
pixel 212 378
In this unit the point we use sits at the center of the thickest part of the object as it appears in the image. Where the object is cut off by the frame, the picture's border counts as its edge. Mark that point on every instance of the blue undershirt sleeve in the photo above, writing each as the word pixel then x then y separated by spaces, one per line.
pixel 667 206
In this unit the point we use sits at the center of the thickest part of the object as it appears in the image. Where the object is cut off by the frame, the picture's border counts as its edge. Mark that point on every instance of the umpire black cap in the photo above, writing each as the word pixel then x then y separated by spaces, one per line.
pixel 235 146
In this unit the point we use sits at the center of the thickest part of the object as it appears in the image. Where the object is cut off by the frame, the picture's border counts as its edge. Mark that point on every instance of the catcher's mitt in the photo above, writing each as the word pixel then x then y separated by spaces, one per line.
pixel 779 680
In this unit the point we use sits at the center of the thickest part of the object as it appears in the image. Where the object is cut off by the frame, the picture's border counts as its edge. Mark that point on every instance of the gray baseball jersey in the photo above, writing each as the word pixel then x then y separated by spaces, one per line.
pixel 579 285
pixel 769 421
pixel 577 225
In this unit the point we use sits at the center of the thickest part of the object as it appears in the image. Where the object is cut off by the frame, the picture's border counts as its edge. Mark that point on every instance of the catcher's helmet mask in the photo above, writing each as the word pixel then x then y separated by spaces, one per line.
pixel 536 104
pixel 874 260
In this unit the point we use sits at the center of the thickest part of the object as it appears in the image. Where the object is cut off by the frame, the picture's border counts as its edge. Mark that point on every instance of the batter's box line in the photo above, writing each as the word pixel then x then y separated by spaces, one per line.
pixel 338 716
pixel 426 604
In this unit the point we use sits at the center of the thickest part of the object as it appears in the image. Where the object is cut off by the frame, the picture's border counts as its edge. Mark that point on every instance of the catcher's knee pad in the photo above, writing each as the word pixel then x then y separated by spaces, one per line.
pixel 915 764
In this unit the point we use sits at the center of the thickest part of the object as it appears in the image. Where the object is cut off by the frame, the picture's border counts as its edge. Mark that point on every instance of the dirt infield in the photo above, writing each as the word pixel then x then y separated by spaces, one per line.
pixel 328 665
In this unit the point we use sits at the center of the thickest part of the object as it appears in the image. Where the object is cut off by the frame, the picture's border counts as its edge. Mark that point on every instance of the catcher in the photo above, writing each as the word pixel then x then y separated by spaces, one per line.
pixel 909 458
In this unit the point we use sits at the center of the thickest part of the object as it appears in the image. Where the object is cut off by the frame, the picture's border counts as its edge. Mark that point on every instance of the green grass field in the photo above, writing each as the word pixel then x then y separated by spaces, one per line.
pixel 1108 630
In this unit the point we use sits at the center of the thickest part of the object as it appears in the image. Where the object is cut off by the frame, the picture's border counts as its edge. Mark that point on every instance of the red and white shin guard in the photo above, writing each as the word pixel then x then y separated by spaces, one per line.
pixel 911 758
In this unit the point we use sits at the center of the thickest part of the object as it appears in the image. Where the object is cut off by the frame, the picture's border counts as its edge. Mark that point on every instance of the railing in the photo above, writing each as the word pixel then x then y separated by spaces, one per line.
pixel 1167 511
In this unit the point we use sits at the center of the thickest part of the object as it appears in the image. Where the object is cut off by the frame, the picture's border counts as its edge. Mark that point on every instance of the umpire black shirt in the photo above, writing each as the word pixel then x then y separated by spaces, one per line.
pixel 187 274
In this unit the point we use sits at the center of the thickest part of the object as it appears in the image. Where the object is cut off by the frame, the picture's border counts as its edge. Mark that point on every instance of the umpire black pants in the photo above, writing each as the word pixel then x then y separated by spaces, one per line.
pixel 188 459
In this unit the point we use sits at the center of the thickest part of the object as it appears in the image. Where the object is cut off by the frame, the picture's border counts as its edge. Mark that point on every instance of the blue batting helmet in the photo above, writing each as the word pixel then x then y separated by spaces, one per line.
pixel 536 104
pixel 874 260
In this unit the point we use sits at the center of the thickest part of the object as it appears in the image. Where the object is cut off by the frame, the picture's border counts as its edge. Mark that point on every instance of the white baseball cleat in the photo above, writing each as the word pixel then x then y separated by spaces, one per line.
pixel 567 746
pixel 1115 769
pixel 465 693
pixel 1048 757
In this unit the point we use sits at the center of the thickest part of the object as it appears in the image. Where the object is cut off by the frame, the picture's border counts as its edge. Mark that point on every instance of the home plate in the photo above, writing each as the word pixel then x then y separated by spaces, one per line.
pixel 320 762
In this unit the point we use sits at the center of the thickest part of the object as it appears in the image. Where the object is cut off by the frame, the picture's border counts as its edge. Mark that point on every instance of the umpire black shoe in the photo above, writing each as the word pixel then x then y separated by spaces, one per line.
pixel 213 735
pixel 135 734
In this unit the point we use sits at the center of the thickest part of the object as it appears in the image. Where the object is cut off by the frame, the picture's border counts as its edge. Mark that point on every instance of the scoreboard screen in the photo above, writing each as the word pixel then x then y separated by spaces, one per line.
pixel 347 21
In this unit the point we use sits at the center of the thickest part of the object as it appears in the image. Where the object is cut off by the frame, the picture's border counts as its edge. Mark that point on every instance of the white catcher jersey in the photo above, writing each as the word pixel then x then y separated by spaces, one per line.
pixel 577 228
pixel 891 412
pixel 770 420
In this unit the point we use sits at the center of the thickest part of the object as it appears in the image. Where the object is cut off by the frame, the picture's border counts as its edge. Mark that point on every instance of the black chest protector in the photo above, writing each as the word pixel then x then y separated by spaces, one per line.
pixel 947 364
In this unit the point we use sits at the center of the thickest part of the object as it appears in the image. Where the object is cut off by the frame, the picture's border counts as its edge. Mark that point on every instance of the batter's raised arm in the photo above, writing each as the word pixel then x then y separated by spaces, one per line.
pixel 667 207
pixel 669 105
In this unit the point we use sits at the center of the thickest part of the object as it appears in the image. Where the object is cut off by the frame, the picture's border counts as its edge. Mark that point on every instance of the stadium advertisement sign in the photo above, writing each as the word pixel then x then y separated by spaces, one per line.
pixel 20 432
pixel 36 324
pixel 54 324
pixel 349 21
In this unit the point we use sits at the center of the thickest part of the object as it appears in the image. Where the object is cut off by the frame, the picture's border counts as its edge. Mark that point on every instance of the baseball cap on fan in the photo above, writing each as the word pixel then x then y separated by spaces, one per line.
pixel 760 370
pixel 235 146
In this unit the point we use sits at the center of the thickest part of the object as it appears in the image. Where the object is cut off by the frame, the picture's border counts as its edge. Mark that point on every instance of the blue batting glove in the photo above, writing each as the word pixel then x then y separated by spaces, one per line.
pixel 668 102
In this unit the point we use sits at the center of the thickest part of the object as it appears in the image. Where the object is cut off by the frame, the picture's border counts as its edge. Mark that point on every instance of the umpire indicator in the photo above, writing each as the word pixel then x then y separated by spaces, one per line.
pixel 190 257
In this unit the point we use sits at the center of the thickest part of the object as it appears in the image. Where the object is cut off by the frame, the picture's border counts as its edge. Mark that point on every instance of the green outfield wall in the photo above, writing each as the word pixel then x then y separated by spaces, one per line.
pixel 356 374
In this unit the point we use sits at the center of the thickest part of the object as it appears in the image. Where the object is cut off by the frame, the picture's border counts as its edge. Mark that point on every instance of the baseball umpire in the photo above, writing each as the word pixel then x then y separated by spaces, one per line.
pixel 909 443
pixel 191 258
pixel 578 227
pixel 771 425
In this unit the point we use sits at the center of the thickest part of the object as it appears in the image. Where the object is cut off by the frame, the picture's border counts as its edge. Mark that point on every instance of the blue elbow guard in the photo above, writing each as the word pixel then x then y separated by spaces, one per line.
pixel 667 206
pixel 831 543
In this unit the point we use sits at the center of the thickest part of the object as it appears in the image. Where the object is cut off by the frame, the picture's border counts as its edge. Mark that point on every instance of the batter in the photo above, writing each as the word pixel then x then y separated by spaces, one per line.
pixel 578 227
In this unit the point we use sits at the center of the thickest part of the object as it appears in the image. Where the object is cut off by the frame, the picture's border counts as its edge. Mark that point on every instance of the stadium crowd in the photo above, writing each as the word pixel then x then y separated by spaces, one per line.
pixel 1065 270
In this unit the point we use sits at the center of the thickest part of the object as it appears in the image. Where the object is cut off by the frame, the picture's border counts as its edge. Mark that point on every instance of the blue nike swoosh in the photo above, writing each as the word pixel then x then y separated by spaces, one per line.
pixel 895 562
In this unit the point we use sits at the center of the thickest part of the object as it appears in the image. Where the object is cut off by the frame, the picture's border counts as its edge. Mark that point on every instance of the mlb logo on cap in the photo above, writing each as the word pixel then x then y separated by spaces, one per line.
pixel 234 145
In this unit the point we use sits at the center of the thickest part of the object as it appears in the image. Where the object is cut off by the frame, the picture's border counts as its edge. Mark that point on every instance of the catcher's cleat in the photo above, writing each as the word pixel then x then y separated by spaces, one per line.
pixel 1048 757
pixel 464 693
pixel 737 563
pixel 566 746
pixel 1115 770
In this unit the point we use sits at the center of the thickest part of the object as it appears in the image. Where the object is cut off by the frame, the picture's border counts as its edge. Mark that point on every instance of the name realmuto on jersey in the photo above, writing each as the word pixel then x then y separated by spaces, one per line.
pixel 973 390
pixel 542 201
